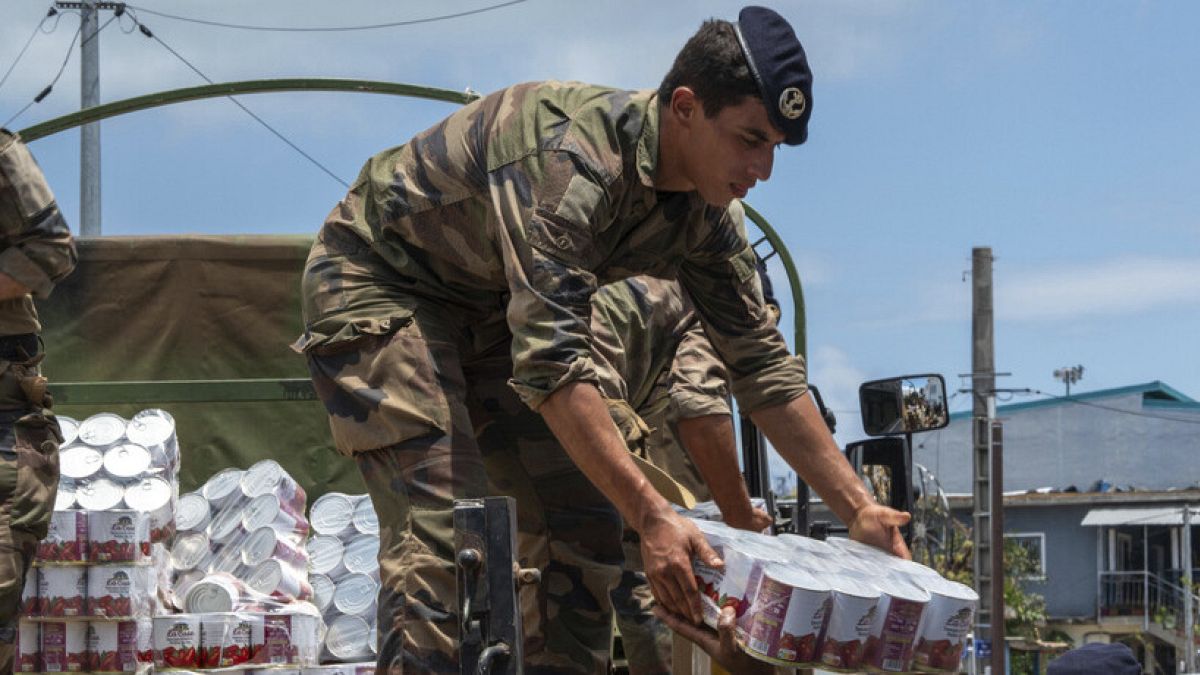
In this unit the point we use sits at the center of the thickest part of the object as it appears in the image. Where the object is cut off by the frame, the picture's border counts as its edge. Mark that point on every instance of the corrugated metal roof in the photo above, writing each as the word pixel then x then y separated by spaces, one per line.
pixel 1160 515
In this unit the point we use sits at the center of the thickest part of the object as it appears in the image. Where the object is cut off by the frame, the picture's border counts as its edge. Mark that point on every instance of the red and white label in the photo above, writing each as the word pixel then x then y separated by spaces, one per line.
pixel 67 538
pixel 29 649
pixel 230 639
pixel 176 641
pixel 64 647
pixel 118 536
pixel 113 646
pixel 62 591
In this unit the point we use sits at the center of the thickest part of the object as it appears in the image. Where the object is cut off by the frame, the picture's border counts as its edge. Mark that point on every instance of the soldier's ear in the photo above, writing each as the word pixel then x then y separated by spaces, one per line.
pixel 684 106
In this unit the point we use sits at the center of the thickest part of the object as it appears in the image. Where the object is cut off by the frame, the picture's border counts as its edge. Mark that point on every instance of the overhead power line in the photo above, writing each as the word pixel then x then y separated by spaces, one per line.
pixel 328 29
pixel 46 92
pixel 150 34
pixel 28 42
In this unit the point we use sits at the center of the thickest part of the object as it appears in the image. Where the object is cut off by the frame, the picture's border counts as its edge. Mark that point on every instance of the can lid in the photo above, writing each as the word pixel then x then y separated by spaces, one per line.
pixel 99 495
pixel 70 429
pixel 259 546
pixel 148 494
pixel 211 595
pixel 323 589
pixel 80 462
pixel 102 429
pixel 365 518
pixel 261 511
pixel 332 514
pixel 189 550
pixel 845 584
pixel 262 477
pixel 222 484
pixel 347 636
pixel 362 554
pixel 64 499
pixel 151 427
pixel 324 553
pixel 192 512
pixel 266 577
pixel 355 594
pixel 126 460
pixel 795 577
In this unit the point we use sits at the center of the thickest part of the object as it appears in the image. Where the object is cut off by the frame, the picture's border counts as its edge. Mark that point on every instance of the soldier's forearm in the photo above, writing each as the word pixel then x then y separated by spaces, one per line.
pixel 709 441
pixel 579 418
pixel 798 433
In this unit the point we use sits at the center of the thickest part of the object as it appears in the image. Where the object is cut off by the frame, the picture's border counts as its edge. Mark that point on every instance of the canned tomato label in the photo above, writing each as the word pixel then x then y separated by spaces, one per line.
pixel 176 641
pixel 102 429
pixel 62 591
pixel 944 627
pixel 268 477
pixel 853 612
pixel 889 646
pixel 744 563
pixel 789 614
pixel 66 539
pixel 100 495
pixel 64 647
pixel 152 496
pixel 265 543
pixel 31 605
pixel 113 646
pixel 79 462
pixel 230 639
pixel 118 536
pixel 29 649
pixel 193 512
pixel 117 590
pixel 291 638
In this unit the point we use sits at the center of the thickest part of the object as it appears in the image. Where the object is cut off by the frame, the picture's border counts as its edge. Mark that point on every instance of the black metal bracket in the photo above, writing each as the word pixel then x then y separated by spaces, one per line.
pixel 485 548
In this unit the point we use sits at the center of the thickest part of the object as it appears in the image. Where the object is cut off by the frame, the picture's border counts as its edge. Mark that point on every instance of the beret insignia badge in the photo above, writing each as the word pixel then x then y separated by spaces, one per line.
pixel 792 103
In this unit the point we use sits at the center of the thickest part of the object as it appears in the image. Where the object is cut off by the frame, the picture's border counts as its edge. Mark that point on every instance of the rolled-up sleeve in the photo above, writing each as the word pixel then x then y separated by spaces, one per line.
pixel 38 249
pixel 697 383
pixel 720 279
pixel 547 245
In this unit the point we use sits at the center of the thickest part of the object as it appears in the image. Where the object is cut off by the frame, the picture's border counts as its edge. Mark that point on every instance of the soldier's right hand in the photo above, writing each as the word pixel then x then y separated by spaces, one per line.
pixel 669 543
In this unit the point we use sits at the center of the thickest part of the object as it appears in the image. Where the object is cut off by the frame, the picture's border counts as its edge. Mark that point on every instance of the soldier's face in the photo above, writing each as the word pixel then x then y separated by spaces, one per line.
pixel 730 152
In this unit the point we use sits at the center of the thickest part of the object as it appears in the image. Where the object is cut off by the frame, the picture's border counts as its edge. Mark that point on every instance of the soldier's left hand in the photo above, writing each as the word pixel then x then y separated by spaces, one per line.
pixel 669 543
pixel 879 526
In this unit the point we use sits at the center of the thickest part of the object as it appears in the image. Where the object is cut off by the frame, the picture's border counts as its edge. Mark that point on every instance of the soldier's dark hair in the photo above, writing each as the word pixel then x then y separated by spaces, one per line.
pixel 712 65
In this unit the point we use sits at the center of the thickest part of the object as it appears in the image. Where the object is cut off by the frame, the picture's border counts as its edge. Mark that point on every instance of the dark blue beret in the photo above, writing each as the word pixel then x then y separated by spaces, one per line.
pixel 779 65
pixel 1096 659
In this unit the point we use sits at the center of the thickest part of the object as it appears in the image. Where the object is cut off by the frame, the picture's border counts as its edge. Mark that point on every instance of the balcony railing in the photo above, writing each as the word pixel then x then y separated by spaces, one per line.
pixel 1144 595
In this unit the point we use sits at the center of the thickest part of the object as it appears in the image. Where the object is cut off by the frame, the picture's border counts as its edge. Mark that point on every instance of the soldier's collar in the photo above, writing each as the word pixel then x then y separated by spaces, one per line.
pixel 647 149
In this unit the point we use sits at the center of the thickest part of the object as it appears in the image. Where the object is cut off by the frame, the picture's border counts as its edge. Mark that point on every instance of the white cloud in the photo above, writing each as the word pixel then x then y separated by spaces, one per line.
pixel 1107 288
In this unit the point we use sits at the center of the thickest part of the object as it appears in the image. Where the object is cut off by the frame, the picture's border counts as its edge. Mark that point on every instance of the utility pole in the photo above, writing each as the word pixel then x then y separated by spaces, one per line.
pixel 89 97
pixel 1189 619
pixel 987 464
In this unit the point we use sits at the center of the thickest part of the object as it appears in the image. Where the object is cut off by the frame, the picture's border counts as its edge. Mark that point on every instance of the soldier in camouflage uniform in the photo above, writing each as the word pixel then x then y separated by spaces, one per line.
pixel 36 252
pixel 470 254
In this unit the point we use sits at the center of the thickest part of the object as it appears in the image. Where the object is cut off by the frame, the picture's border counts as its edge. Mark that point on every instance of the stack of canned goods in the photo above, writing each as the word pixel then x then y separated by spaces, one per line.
pixel 240 542
pixel 837 605
pixel 344 571
pixel 288 638
pixel 88 600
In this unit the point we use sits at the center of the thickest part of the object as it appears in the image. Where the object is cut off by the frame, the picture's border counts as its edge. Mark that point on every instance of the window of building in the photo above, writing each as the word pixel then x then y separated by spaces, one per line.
pixel 1035 544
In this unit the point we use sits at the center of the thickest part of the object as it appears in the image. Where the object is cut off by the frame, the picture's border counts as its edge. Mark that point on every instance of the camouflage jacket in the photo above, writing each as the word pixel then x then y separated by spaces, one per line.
pixel 522 204
pixel 647 333
pixel 36 248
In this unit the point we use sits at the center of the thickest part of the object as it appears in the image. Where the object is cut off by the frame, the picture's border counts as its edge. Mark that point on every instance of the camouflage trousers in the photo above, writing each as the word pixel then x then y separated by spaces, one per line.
pixel 437 392
pixel 29 438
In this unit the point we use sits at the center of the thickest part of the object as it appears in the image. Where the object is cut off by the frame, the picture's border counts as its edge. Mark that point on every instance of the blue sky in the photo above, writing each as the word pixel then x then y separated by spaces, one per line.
pixel 1063 135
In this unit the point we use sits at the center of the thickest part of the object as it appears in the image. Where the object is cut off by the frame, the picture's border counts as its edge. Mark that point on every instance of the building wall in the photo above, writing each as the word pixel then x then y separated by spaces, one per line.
pixel 1062 444
pixel 1070 549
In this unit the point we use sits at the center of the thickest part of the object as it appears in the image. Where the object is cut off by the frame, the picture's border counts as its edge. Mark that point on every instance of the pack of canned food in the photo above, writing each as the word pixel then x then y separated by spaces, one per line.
pixel 108 463
pixel 115 591
pixel 240 542
pixel 98 646
pixel 344 571
pixel 837 605
pixel 290 637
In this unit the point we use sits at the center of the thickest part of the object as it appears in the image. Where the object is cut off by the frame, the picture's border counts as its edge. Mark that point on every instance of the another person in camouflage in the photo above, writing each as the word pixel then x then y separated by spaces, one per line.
pixel 36 251
pixel 646 331
pixel 484 238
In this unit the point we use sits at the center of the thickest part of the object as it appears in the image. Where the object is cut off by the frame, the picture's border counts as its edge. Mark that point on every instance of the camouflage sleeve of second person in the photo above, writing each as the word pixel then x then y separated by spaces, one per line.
pixel 37 246
pixel 697 383
pixel 722 283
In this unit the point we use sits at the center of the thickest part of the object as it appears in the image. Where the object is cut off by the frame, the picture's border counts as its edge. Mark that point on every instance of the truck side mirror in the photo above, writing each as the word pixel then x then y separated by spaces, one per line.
pixel 903 405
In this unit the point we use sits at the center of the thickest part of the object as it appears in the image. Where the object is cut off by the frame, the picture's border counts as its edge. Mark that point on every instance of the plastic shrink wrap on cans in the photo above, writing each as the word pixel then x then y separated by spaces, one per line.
pixel 344 572
pixel 88 600
pixel 836 605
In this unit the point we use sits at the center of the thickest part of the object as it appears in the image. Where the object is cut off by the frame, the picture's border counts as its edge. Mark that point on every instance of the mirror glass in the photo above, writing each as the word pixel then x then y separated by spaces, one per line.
pixel 904 405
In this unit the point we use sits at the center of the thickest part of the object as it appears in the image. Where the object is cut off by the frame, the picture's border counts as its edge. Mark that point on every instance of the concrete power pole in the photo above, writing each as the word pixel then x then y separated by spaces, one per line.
pixel 988 463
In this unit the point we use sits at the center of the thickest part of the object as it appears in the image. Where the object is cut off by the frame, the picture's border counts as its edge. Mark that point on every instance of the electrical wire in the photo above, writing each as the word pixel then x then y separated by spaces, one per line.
pixel 46 92
pixel 285 29
pixel 28 42
pixel 150 34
